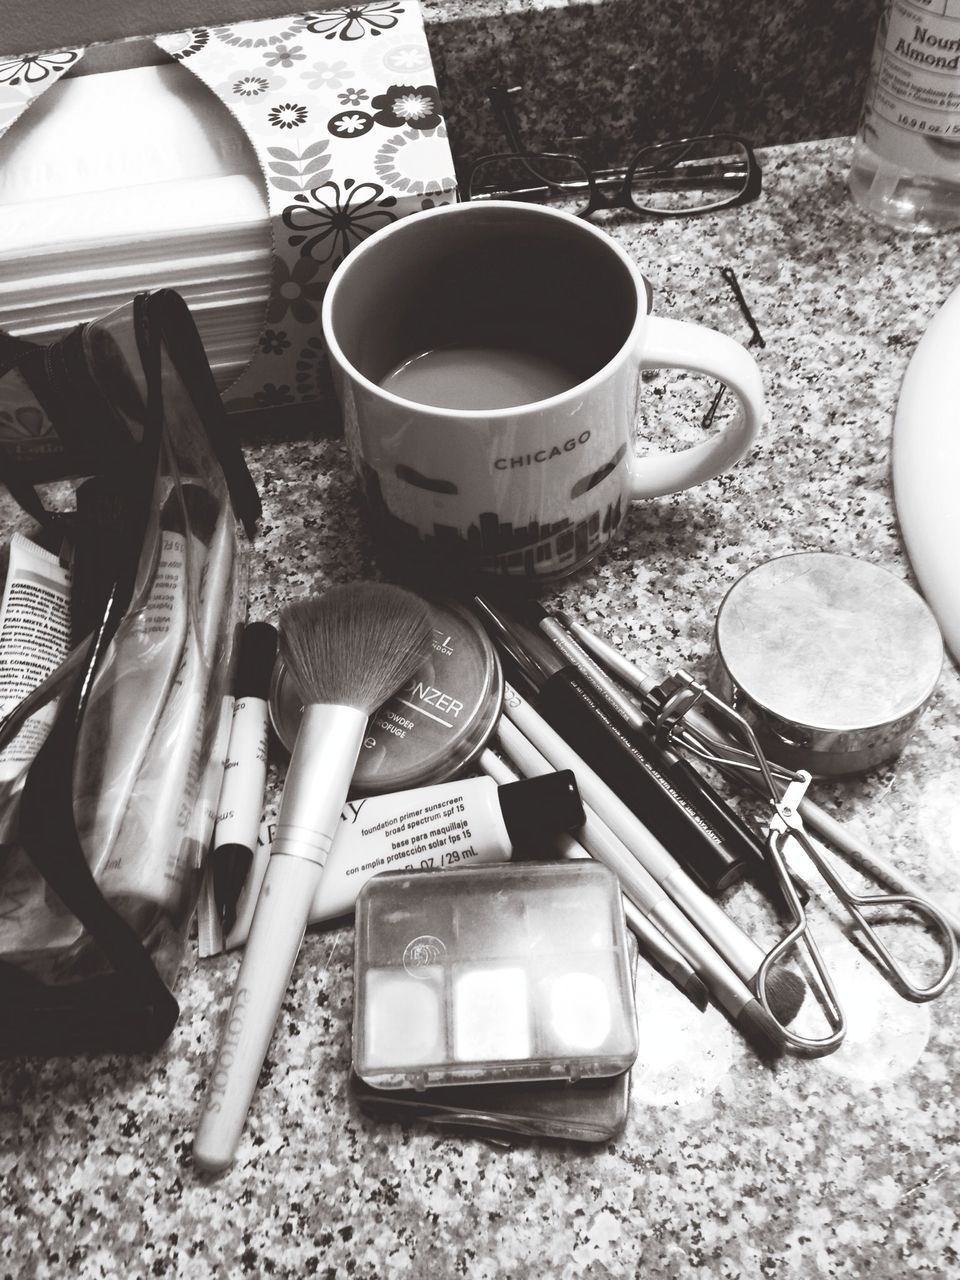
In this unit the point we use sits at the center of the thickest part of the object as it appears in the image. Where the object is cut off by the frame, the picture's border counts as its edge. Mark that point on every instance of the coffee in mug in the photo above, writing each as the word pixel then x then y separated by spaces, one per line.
pixel 488 360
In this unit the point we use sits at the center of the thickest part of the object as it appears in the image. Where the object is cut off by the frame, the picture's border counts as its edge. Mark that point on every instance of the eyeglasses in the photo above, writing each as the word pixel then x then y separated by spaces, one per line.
pixel 677 179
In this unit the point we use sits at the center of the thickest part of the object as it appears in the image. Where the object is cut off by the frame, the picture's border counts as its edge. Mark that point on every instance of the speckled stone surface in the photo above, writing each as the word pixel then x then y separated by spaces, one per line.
pixel 624 69
pixel 841 1167
pixel 622 72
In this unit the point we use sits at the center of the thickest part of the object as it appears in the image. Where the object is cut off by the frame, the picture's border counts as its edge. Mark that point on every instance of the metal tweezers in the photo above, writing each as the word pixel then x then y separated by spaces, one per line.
pixel 668 705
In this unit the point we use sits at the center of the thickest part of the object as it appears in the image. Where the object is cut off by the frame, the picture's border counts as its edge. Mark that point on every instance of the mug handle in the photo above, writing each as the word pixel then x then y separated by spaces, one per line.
pixel 677 344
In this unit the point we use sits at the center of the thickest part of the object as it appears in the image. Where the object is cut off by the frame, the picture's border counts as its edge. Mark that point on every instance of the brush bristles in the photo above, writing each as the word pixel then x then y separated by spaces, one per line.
pixel 785 992
pixel 356 644
pixel 696 990
pixel 760 1030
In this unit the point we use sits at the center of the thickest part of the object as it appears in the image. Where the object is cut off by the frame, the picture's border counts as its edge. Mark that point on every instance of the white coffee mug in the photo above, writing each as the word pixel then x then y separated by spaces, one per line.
pixel 488 360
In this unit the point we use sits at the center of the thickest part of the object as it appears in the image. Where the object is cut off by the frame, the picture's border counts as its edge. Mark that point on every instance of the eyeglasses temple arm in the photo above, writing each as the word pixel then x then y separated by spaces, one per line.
pixel 500 99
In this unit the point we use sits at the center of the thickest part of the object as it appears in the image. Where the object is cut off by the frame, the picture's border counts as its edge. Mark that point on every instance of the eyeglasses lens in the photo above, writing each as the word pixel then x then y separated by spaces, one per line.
pixel 539 179
pixel 689 176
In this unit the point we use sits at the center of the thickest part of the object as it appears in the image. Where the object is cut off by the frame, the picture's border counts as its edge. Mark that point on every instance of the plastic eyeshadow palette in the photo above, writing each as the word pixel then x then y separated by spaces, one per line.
pixel 588 1110
pixel 492 974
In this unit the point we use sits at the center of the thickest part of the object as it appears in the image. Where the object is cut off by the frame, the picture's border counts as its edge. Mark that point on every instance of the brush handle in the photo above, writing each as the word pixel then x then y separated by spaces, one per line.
pixel 635 882
pixel 641 680
pixel 726 937
pixel 324 757
pixel 268 959
pixel 531 764
pixel 706 837
pixel 318 778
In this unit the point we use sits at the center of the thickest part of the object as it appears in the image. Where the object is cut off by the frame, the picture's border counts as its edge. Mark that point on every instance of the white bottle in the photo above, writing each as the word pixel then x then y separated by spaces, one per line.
pixel 906 160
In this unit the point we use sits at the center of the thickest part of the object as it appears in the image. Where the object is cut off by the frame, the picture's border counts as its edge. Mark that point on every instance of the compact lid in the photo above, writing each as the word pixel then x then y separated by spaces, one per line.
pixel 830 658
pixel 492 974
pixel 436 726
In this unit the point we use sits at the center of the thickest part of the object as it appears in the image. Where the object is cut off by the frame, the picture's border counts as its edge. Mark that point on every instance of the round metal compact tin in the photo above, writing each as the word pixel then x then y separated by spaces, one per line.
pixel 830 659
pixel 434 727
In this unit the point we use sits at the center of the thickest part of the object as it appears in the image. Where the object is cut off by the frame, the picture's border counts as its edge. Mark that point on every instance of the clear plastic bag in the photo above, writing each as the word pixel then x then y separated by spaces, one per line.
pixel 118 806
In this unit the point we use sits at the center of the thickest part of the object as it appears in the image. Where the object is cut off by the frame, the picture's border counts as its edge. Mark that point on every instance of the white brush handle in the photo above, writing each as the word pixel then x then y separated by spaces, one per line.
pixel 531 765
pixel 268 960
pixel 726 937
pixel 533 757
pixel 318 778
pixel 324 757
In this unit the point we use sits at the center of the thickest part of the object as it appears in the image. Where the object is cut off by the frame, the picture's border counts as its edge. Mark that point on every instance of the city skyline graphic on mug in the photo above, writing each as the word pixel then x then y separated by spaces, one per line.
pixel 490 544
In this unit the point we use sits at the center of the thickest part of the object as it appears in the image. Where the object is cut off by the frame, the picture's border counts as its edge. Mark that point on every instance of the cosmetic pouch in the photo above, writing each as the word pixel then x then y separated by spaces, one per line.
pixel 104 835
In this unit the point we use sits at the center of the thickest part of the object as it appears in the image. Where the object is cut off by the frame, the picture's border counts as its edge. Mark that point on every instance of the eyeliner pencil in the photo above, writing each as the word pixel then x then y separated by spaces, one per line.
pixel 726 937
pixel 571 701
pixel 240 806
pixel 575 716
pixel 658 949
pixel 642 681
pixel 740 847
pixel 536 739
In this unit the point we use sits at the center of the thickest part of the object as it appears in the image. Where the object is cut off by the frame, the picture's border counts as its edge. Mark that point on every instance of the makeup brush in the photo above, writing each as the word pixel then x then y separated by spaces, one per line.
pixel 662 952
pixel 532 754
pixel 346 652
pixel 573 716
pixel 642 680
pixel 784 989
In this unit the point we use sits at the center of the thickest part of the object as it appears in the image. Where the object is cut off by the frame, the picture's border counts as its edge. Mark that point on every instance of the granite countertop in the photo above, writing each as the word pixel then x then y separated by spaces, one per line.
pixel 842 1166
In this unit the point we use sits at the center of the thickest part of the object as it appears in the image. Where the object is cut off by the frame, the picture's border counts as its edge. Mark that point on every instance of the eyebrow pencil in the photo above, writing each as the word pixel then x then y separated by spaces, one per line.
pixel 528 739
pixel 737 847
pixel 681 816
pixel 658 948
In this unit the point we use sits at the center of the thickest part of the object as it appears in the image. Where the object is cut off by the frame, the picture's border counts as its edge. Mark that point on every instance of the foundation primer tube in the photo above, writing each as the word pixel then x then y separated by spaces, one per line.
pixel 440 827
pixel 34 640
pixel 451 824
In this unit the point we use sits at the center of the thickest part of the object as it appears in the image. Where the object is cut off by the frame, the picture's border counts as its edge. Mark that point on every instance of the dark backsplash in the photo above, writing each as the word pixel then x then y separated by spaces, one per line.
pixel 619 70
pixel 622 71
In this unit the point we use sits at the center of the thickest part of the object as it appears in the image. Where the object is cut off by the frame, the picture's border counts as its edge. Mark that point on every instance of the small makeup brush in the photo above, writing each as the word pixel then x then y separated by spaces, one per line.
pixel 652 941
pixel 642 680
pixel 532 747
pixel 347 652
pixel 785 989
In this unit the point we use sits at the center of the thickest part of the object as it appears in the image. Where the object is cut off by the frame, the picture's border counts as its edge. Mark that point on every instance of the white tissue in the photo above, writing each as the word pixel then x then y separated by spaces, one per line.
pixel 121 181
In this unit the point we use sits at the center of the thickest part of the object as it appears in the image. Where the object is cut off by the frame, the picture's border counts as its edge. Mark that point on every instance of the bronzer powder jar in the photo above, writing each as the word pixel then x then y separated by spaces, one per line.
pixel 436 726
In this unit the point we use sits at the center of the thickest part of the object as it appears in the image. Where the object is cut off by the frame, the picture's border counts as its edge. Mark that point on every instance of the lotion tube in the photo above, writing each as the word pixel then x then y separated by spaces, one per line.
pixel 467 822
pixel 34 640
pixel 451 824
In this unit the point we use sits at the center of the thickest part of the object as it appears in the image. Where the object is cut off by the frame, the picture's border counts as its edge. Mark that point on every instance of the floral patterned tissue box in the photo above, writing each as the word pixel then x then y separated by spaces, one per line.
pixel 341 106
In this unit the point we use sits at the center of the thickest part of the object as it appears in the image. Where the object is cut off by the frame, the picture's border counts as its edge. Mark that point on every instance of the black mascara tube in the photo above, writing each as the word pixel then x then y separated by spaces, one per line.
pixel 568 702
pixel 739 838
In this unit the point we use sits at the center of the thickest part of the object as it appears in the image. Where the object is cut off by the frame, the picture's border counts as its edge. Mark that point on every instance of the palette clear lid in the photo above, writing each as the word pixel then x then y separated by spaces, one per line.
pixel 492 974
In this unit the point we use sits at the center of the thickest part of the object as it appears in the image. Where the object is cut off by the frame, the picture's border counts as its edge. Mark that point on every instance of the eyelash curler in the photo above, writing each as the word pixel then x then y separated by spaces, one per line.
pixel 673 707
